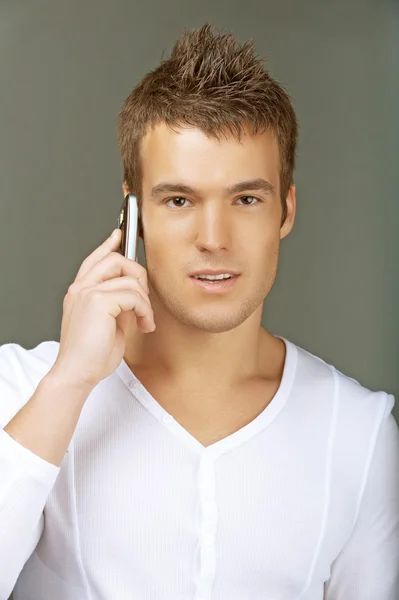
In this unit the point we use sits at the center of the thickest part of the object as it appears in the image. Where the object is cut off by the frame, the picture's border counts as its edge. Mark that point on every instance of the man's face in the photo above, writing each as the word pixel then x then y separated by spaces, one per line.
pixel 212 226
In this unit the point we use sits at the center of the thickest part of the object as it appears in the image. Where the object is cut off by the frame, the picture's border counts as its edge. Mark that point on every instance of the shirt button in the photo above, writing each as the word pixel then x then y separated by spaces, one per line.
pixel 168 419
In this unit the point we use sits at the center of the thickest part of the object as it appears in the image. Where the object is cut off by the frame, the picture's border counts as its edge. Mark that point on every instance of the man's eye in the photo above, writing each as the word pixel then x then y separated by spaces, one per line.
pixel 177 199
pixel 250 198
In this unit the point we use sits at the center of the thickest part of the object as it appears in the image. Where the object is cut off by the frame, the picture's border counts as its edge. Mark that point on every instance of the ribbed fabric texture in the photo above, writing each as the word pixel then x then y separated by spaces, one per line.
pixel 300 504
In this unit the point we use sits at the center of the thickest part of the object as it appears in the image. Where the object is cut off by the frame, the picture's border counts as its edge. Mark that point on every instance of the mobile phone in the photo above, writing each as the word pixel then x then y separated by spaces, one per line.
pixel 128 222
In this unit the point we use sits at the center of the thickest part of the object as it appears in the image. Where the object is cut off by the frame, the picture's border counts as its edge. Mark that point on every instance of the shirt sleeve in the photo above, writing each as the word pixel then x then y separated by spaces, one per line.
pixel 367 568
pixel 25 478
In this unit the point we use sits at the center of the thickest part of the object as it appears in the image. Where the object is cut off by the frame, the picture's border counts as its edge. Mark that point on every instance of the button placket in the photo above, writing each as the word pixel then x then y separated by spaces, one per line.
pixel 207 529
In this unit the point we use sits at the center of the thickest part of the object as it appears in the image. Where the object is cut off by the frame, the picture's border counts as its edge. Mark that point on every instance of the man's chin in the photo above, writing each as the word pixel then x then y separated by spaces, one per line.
pixel 210 321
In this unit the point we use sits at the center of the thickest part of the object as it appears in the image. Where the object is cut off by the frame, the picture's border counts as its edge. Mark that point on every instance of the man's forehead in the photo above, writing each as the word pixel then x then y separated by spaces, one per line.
pixel 182 143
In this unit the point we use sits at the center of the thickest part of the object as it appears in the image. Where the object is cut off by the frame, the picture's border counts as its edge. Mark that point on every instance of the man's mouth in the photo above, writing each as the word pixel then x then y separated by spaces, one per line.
pixel 215 283
pixel 214 277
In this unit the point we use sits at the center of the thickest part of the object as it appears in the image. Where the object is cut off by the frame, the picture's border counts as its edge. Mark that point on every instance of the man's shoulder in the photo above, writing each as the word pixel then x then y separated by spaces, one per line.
pixel 350 394
pixel 15 357
pixel 351 414
pixel 21 370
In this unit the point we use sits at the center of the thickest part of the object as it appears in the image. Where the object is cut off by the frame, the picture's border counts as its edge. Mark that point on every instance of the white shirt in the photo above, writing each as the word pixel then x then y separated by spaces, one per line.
pixel 300 504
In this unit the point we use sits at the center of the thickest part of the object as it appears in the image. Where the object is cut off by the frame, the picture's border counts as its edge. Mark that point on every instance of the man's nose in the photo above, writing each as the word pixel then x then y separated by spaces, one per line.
pixel 213 224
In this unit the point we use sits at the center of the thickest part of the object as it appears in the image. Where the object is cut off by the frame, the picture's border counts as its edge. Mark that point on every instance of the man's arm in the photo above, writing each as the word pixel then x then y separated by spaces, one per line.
pixel 367 568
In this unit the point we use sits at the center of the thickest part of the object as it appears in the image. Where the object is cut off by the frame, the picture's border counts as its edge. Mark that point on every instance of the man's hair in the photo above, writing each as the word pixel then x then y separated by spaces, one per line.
pixel 217 85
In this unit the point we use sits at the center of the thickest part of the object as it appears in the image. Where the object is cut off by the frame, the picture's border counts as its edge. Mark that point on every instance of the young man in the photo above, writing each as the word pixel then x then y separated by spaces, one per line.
pixel 203 459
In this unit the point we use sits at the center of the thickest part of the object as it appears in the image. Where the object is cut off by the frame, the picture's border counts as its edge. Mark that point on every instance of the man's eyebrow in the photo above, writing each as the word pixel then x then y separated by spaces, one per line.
pixel 166 188
pixel 259 184
pixel 242 186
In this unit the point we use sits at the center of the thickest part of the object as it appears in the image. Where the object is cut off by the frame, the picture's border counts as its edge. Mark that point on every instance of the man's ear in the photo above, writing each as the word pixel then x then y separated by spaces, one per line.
pixel 291 211
pixel 125 189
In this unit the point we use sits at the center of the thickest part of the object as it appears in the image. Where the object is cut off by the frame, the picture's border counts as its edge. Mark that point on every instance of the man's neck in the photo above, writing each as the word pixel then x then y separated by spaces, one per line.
pixel 196 360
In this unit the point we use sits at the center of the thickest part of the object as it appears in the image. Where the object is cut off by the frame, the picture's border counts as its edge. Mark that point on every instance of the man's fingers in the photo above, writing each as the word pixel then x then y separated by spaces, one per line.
pixel 112 266
pixel 111 244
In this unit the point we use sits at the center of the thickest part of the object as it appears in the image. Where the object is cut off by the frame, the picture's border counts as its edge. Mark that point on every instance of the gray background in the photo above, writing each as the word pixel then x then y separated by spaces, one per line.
pixel 65 69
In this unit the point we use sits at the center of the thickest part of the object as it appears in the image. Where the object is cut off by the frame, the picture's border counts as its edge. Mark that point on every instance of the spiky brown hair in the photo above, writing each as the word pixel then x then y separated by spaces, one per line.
pixel 217 85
